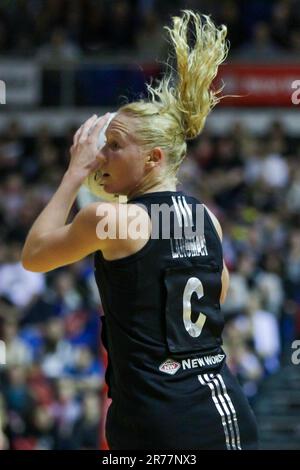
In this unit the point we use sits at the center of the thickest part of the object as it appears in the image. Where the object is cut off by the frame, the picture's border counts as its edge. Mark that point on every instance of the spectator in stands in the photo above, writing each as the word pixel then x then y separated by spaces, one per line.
pixel 66 412
pixel 59 49
pixel 17 285
pixel 86 369
pixel 18 352
pixel 86 428
pixel 262 48
pixel 57 352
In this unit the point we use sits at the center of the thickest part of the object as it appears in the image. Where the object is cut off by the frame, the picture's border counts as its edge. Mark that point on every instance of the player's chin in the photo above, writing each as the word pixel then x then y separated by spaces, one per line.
pixel 111 188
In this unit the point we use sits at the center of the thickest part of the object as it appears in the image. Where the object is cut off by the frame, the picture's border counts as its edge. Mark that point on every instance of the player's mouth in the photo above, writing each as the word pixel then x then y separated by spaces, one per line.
pixel 103 178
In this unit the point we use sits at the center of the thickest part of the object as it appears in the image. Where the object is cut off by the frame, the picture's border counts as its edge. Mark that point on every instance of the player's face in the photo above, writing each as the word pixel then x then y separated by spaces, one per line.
pixel 124 166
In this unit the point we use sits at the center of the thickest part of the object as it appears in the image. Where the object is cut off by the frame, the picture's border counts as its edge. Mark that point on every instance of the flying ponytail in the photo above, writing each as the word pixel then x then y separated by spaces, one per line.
pixel 197 66
pixel 178 106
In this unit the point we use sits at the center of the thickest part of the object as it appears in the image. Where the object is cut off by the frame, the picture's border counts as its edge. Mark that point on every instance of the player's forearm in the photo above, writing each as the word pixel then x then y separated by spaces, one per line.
pixel 55 214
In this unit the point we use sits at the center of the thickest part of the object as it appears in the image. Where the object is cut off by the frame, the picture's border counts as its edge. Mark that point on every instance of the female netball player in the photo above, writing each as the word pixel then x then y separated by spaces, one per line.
pixel 167 376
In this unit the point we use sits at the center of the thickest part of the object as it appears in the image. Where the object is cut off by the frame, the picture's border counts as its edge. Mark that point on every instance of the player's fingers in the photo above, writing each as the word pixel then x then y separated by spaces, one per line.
pixel 79 131
pixel 76 136
pixel 86 127
pixel 101 121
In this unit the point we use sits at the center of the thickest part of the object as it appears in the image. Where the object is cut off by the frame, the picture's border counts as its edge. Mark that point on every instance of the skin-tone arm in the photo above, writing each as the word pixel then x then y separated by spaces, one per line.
pixel 225 273
pixel 51 243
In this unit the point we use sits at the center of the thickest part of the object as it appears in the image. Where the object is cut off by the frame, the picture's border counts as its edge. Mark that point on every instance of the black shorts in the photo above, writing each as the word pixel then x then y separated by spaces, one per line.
pixel 210 412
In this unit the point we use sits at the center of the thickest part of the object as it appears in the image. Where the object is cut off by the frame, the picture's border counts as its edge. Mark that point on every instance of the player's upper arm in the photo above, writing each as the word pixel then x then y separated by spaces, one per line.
pixel 225 273
pixel 225 283
pixel 66 244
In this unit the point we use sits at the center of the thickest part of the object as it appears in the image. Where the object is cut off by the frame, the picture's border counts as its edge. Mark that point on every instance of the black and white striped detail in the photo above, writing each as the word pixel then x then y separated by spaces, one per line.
pixel 183 211
pixel 225 408
pixel 186 247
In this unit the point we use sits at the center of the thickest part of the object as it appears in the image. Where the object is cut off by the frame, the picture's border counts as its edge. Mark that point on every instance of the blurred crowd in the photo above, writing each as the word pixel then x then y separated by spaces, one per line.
pixel 63 29
pixel 51 386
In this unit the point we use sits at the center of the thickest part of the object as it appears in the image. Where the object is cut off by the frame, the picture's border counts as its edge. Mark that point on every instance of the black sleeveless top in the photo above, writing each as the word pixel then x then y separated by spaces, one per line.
pixel 162 319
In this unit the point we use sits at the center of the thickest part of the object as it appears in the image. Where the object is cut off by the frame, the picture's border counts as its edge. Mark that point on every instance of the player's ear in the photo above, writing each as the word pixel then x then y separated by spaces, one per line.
pixel 155 157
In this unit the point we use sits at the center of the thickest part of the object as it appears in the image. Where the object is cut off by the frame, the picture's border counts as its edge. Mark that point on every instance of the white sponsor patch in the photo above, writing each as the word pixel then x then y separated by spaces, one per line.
pixel 202 361
pixel 169 367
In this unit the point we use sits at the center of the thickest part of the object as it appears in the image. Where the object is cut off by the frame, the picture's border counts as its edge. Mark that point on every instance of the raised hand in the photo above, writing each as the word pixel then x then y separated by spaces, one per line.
pixel 85 156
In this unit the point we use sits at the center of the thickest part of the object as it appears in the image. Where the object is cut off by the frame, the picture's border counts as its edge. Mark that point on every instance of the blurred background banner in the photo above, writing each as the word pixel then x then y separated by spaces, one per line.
pixel 259 85
pixel 24 79
pixel 64 60
pixel 98 84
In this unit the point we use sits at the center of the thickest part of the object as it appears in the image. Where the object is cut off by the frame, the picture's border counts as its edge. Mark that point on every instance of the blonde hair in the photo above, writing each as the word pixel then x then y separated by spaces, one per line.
pixel 178 107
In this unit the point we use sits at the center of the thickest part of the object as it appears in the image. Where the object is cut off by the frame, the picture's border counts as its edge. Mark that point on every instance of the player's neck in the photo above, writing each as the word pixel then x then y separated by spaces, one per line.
pixel 158 187
pixel 161 187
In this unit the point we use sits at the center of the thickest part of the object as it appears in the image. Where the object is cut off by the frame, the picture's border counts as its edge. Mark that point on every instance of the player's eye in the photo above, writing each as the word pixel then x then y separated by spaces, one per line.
pixel 114 145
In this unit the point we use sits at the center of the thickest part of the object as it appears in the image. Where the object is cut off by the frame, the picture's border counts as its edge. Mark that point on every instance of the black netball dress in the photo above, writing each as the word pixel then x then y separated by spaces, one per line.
pixel 167 375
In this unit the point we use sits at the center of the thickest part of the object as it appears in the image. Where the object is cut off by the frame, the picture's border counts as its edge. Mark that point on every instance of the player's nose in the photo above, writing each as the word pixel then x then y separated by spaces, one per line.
pixel 102 155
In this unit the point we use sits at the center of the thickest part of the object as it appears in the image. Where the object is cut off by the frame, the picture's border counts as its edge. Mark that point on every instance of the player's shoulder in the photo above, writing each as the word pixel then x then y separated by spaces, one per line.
pixel 215 222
